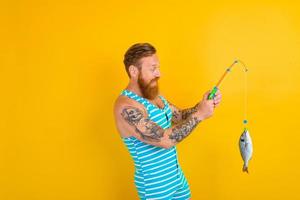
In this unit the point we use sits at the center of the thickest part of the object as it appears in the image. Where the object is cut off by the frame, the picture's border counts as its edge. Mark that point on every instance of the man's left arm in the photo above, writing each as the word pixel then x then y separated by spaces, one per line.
pixel 183 114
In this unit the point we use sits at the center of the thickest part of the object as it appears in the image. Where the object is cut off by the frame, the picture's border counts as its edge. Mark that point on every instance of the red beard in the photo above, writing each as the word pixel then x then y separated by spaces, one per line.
pixel 148 91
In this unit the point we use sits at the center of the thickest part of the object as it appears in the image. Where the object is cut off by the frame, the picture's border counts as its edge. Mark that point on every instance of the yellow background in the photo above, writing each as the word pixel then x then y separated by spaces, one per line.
pixel 61 70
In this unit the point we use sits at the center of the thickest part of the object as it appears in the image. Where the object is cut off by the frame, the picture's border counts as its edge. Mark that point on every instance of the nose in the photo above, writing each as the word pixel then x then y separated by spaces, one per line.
pixel 157 73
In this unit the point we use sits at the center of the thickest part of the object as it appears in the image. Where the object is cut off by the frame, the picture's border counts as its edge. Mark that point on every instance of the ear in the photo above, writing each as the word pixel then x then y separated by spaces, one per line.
pixel 133 71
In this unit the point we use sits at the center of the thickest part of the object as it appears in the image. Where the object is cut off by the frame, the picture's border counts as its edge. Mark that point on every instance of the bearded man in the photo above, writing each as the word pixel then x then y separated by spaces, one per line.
pixel 150 126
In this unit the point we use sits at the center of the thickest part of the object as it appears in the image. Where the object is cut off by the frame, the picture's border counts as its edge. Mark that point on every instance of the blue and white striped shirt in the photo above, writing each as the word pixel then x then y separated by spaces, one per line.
pixel 158 174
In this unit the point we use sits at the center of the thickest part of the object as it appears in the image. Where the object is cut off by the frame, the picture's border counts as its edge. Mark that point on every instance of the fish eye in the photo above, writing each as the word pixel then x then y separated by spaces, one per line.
pixel 242 140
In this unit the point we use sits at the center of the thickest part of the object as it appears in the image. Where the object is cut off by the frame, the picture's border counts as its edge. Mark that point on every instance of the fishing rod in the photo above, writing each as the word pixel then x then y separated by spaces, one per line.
pixel 216 87
pixel 245 142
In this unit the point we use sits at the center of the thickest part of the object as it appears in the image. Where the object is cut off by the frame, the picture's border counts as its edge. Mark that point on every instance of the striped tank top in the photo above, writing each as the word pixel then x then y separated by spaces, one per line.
pixel 158 174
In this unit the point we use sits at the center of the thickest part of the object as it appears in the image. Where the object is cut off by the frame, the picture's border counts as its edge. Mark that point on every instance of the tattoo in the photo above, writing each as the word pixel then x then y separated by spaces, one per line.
pixel 152 132
pixel 176 115
pixel 147 129
pixel 132 115
pixel 181 131
pixel 187 112
pixel 179 115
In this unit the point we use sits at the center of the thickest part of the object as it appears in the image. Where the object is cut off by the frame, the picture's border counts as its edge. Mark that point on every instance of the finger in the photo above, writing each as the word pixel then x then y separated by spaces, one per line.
pixel 218 96
pixel 218 99
pixel 205 96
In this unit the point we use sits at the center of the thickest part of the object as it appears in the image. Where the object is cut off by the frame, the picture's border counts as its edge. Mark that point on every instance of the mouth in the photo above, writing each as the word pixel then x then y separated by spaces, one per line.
pixel 154 82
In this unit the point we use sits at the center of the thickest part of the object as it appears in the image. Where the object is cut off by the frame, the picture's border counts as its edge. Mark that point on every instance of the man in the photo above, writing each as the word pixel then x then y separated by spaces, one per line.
pixel 150 126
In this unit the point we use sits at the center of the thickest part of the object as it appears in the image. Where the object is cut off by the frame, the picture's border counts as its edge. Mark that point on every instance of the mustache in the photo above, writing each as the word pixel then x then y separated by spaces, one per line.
pixel 154 80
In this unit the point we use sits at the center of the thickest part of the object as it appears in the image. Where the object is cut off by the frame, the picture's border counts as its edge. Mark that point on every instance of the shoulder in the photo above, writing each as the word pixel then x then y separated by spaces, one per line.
pixel 123 102
pixel 125 108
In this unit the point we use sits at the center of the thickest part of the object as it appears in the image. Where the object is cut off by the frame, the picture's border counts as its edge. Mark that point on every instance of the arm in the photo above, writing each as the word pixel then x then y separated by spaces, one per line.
pixel 182 114
pixel 133 119
pixel 179 115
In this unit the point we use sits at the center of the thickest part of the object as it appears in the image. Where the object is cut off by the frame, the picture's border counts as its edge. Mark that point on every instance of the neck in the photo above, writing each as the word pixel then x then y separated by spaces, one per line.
pixel 134 87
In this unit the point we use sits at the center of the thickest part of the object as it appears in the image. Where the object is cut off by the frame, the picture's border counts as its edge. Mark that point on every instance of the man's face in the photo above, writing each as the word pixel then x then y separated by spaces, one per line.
pixel 148 76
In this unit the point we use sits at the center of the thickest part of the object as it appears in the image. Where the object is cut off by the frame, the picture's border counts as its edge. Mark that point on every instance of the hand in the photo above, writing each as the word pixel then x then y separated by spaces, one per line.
pixel 205 108
pixel 217 98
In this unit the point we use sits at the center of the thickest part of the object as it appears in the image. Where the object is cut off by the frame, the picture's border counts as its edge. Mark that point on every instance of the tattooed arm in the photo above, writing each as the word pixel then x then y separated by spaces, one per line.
pixel 136 121
pixel 179 115
pixel 132 118
pixel 182 114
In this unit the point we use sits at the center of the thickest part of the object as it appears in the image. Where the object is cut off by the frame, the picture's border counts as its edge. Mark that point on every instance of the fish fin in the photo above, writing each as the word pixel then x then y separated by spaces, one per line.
pixel 245 169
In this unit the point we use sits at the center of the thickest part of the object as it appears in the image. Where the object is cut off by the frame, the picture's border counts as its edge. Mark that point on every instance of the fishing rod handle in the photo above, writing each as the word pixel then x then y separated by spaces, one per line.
pixel 213 93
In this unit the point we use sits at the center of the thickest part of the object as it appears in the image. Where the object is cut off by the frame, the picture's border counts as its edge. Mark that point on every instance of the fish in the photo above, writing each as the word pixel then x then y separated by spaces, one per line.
pixel 246 148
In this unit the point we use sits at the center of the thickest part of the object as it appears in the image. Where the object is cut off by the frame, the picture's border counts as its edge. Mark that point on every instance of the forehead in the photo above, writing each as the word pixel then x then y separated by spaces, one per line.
pixel 150 61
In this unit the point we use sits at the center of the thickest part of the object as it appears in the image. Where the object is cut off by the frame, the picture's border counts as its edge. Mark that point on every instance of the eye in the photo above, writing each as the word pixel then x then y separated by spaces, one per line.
pixel 242 140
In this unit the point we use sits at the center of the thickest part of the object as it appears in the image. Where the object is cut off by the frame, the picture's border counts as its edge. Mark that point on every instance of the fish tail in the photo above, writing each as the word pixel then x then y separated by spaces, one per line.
pixel 245 168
